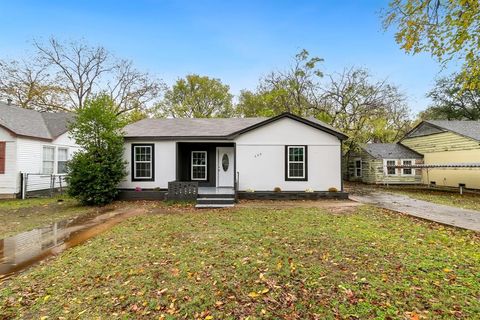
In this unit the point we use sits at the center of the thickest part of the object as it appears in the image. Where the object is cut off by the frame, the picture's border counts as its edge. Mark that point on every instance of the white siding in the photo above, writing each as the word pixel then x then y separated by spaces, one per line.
pixel 30 158
pixel 165 167
pixel 8 180
pixel 261 157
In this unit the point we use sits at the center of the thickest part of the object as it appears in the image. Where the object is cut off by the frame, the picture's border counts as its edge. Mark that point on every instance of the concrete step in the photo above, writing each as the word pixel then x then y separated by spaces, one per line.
pixel 215 200
pixel 211 206
pixel 216 195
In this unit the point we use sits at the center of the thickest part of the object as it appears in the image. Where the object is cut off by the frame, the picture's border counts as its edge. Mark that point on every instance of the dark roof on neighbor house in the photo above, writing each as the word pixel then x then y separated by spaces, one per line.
pixel 34 124
pixel 390 151
pixel 470 129
pixel 211 128
pixel 466 128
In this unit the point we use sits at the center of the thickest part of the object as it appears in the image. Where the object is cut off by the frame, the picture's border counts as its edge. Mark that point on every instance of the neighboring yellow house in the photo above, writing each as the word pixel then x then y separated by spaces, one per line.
pixel 448 143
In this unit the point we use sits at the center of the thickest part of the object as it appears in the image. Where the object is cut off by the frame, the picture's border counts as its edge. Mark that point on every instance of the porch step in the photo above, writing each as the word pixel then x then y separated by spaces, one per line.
pixel 215 200
pixel 207 206
pixel 215 195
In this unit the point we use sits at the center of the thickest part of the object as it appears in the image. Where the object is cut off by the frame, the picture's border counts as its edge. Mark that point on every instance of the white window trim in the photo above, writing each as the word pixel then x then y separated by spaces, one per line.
pixel 143 161
pixel 199 165
pixel 413 170
pixel 58 153
pixel 355 167
pixel 288 162
pixel 52 161
pixel 385 162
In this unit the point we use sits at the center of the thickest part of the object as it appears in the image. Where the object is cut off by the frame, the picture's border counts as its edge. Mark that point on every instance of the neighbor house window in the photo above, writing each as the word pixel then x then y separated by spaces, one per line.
pixel 296 163
pixel 48 159
pixel 358 167
pixel 143 162
pixel 407 171
pixel 3 151
pixel 391 170
pixel 62 159
pixel 199 165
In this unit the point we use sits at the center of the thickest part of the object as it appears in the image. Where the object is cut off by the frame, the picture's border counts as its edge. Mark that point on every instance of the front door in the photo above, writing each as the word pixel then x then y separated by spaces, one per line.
pixel 225 167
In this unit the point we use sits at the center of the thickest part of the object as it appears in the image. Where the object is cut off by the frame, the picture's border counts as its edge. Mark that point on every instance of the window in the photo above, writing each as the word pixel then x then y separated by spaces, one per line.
pixel 391 171
pixel 358 167
pixel 3 151
pixel 296 163
pixel 62 160
pixel 48 159
pixel 407 171
pixel 199 165
pixel 143 162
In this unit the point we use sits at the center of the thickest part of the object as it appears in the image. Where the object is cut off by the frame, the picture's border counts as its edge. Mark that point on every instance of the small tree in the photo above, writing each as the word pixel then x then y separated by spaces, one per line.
pixel 95 172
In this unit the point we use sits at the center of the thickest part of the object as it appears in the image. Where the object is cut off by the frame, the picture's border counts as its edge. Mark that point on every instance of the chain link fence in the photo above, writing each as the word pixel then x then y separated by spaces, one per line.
pixel 34 185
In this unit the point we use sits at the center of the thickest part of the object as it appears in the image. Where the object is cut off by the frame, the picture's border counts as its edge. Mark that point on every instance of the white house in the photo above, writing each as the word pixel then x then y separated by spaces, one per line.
pixel 283 156
pixel 32 142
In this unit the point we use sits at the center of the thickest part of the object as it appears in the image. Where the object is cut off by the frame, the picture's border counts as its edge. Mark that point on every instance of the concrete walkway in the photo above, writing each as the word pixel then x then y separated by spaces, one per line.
pixel 453 216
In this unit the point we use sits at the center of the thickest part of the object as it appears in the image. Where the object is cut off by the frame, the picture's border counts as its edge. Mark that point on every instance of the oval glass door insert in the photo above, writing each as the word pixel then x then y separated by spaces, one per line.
pixel 225 162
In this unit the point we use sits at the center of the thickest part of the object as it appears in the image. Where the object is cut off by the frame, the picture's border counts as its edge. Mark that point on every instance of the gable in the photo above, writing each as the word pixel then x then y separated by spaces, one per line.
pixel 287 131
pixel 444 141
pixel 424 129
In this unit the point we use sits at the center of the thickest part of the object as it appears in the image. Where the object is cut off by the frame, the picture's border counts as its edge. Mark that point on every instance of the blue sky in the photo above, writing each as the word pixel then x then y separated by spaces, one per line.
pixel 235 41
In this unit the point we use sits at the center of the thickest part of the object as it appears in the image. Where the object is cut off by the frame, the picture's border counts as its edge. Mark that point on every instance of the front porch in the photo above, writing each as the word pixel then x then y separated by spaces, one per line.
pixel 205 173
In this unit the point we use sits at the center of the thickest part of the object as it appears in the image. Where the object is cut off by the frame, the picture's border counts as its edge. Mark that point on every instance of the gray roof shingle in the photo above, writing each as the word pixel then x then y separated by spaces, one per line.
pixel 31 123
pixel 198 127
pixel 203 127
pixel 390 151
pixel 465 128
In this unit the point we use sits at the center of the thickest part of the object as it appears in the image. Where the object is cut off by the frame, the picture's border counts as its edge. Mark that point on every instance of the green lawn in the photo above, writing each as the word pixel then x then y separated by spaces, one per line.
pixel 22 215
pixel 450 198
pixel 297 263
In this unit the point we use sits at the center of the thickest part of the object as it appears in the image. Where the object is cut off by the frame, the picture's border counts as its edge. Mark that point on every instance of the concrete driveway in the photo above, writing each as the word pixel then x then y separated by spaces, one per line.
pixel 453 216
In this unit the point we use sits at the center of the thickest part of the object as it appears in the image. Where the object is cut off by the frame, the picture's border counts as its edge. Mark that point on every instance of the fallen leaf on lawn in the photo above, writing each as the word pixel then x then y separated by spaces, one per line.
pixel 279 265
pixel 414 316
pixel 447 270
pixel 253 294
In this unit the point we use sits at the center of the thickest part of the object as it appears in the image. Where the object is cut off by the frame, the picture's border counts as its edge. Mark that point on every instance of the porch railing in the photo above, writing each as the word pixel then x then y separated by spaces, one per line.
pixel 182 190
pixel 235 186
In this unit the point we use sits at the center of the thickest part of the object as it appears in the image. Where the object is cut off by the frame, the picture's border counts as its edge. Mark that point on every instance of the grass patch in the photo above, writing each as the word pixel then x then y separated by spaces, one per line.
pixel 449 198
pixel 22 215
pixel 297 263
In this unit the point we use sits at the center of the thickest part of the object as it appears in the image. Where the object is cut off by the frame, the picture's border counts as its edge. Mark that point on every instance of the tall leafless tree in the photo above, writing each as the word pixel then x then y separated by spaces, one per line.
pixel 365 109
pixel 63 75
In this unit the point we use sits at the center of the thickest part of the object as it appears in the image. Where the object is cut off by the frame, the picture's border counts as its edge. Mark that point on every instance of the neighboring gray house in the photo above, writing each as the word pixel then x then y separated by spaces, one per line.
pixel 371 164
pixel 32 142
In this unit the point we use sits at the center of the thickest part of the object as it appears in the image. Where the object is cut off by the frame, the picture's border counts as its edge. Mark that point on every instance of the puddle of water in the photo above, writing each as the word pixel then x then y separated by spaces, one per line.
pixel 28 248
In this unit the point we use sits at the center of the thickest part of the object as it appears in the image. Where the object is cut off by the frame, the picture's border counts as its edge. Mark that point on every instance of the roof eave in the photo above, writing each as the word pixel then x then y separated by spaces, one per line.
pixel 339 135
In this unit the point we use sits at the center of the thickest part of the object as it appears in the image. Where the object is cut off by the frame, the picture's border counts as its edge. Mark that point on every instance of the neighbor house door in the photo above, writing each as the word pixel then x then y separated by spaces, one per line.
pixel 225 167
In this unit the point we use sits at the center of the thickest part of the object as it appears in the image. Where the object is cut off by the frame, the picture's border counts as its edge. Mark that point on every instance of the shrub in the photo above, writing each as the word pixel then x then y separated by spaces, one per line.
pixel 277 189
pixel 332 189
pixel 96 170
